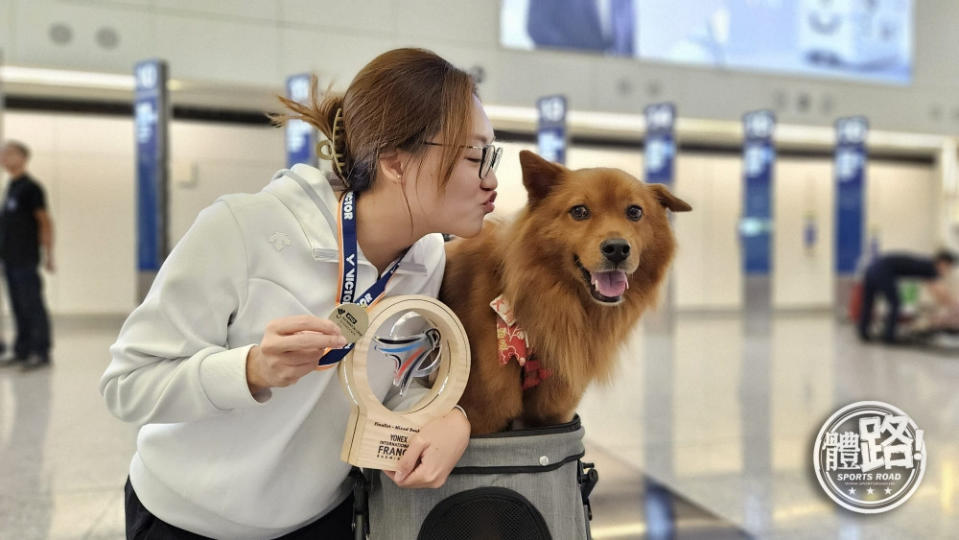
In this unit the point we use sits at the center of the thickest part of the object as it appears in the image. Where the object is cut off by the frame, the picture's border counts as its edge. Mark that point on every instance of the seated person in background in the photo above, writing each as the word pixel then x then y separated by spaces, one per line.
pixel 882 278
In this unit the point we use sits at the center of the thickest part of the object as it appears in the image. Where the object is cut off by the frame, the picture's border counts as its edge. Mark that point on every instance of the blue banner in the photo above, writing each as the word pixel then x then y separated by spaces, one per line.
pixel 850 191
pixel 551 129
pixel 151 116
pixel 300 136
pixel 759 158
pixel 659 146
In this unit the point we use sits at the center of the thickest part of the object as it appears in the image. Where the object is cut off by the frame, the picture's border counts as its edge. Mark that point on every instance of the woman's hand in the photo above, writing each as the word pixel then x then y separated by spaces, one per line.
pixel 290 349
pixel 433 452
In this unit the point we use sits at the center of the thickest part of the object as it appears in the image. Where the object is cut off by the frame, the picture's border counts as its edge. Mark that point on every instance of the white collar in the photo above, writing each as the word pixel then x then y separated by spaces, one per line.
pixel 304 190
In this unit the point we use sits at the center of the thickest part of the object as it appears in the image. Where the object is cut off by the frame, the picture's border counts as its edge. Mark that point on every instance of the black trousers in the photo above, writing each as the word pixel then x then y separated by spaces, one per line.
pixel 141 524
pixel 29 311
pixel 877 282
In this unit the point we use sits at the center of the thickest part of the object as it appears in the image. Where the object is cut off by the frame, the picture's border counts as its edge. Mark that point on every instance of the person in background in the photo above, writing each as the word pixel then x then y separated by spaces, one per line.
pixel 882 277
pixel 26 226
pixel 599 25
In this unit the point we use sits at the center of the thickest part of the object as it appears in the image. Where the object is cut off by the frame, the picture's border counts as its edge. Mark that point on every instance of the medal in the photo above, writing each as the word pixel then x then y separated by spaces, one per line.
pixel 352 320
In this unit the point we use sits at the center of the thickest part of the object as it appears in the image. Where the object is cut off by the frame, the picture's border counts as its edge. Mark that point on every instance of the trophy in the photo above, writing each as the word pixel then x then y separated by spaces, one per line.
pixel 428 352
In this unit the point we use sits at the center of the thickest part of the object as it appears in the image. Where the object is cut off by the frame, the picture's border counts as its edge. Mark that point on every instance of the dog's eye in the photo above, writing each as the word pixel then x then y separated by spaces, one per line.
pixel 634 213
pixel 579 212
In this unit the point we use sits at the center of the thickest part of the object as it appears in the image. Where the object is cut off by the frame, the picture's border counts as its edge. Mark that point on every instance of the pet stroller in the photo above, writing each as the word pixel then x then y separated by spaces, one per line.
pixel 528 484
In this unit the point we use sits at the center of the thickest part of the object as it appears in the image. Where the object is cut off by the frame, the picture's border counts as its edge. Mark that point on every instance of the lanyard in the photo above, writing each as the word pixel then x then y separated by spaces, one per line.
pixel 348 270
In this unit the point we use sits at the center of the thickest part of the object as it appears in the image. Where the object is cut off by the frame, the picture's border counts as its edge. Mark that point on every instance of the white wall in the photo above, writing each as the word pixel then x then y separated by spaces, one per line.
pixel 708 268
pixel 901 206
pixel 510 193
pixel 259 42
pixel 209 160
pixel 803 276
pixel 87 171
pixel 86 165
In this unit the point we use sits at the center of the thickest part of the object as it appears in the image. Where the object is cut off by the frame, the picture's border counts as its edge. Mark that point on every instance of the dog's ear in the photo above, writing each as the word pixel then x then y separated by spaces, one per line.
pixel 539 175
pixel 667 199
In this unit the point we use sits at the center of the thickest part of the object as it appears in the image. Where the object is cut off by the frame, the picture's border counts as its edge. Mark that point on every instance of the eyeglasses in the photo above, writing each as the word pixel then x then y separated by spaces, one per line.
pixel 488 161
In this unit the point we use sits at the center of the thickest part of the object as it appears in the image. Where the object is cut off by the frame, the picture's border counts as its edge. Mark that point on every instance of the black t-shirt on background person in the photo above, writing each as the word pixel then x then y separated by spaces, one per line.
pixel 907 266
pixel 19 231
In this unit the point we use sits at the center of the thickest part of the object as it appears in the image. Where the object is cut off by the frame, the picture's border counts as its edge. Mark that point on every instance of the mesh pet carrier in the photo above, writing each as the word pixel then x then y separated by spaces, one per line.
pixel 526 484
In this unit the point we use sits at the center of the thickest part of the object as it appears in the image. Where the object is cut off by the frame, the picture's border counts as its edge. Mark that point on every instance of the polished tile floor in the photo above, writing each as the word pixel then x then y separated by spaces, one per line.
pixel 724 411
pixel 63 457
pixel 705 432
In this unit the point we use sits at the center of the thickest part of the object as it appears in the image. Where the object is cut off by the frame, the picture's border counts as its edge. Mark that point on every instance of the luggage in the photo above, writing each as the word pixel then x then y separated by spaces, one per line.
pixel 855 301
pixel 525 484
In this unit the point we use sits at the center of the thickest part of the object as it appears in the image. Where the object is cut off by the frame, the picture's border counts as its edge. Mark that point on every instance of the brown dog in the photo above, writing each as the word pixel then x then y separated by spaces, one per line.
pixel 578 266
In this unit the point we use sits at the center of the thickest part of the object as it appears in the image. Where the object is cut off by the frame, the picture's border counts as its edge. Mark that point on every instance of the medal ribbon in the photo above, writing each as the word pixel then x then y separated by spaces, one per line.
pixel 348 270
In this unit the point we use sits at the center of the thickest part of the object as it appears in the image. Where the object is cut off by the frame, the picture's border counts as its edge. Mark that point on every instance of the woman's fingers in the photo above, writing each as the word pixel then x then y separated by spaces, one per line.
pixel 433 452
pixel 302 323
pixel 290 349
pixel 304 341
pixel 410 459
pixel 423 476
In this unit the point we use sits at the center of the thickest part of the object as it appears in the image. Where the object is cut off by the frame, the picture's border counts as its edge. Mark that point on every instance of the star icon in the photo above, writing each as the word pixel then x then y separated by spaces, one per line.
pixel 888 491
pixel 852 491
pixel 869 491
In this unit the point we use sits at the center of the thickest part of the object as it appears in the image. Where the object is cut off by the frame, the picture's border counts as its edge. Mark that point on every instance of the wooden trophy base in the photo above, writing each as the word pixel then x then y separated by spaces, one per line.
pixel 376 437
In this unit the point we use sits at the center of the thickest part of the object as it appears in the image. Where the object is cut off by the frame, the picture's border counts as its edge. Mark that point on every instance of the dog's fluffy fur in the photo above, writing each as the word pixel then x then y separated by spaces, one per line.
pixel 545 263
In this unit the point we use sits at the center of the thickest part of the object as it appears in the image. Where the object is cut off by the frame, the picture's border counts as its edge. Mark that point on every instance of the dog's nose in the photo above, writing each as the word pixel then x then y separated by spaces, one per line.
pixel 615 249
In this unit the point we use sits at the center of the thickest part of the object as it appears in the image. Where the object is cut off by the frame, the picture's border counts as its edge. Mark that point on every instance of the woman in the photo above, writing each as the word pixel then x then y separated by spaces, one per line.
pixel 241 434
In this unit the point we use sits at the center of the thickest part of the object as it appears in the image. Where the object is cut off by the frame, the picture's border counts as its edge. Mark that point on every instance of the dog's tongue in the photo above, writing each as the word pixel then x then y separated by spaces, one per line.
pixel 611 284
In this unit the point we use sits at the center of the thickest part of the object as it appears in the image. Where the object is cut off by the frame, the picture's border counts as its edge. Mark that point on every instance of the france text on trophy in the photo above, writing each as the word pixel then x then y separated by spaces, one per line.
pixel 428 346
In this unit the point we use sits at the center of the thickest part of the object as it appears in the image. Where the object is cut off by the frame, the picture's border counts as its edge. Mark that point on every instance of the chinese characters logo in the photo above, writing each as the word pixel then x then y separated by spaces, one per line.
pixel 869 457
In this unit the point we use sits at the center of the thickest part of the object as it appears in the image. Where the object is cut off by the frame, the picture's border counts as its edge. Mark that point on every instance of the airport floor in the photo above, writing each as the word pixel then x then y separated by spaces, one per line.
pixel 706 431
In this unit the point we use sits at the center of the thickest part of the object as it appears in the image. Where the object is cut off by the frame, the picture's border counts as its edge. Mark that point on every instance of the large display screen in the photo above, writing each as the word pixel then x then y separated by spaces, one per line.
pixel 855 39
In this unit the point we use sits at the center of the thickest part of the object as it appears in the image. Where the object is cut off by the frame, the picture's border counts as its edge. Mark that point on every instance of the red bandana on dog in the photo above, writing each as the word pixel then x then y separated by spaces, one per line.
pixel 514 345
